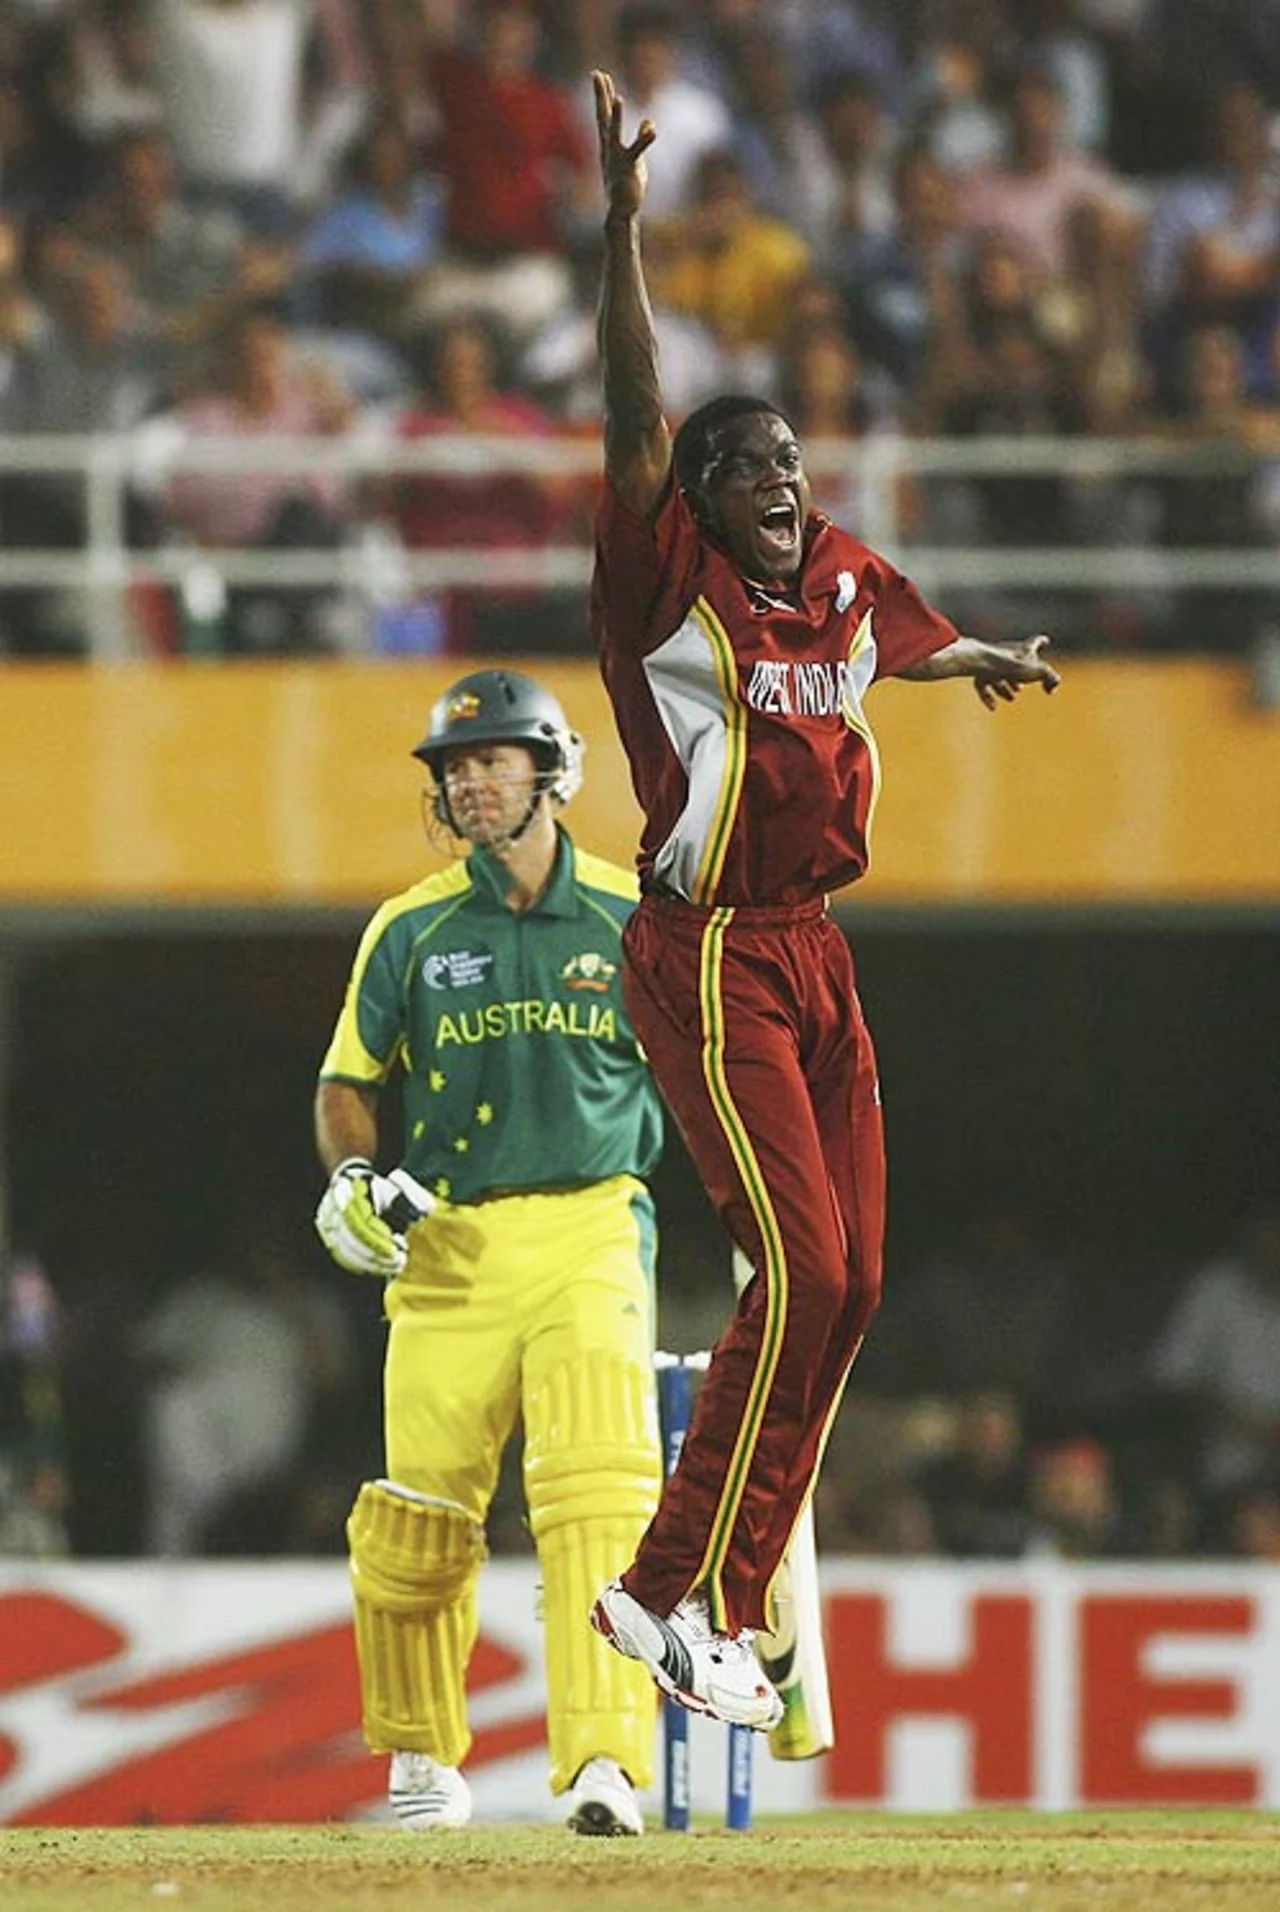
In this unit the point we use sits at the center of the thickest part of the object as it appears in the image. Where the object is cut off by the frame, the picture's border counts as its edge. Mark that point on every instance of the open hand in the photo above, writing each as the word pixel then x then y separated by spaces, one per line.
pixel 1012 666
pixel 622 167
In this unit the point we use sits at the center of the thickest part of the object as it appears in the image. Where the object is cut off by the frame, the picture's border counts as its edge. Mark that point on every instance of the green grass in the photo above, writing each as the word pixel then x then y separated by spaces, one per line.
pixel 857 1862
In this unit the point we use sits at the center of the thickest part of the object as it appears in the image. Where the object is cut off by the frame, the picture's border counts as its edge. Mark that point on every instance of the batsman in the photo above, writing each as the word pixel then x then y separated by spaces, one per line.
pixel 516 1243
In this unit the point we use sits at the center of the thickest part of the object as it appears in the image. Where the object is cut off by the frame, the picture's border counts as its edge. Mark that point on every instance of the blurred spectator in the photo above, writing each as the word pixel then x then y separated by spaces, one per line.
pixel 776 137
pixel 868 1497
pixel 244 1361
pixel 852 193
pixel 1219 1352
pixel 1090 311
pixel 367 257
pixel 692 119
pixel 187 267
pixel 1219 496
pixel 902 284
pixel 1075 1502
pixel 233 79
pixel 499 511
pixel 1032 196
pixel 85 366
pixel 825 37
pixel 1165 1517
pixel 515 163
pixel 996 1313
pixel 729 266
pixel 822 385
pixel 1213 251
pixel 42 162
pixel 834 404
pixel 266 390
pixel 977 1492
pixel 1055 38
pixel 78 363
pixel 110 69
pixel 1253 1523
pixel 33 1479
pixel 561 363
pixel 995 370
pixel 20 317
pixel 955 118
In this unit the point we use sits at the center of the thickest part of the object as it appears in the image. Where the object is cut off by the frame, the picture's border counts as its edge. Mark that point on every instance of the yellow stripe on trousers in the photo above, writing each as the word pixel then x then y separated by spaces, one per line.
pixel 774 1271
pixel 770 1604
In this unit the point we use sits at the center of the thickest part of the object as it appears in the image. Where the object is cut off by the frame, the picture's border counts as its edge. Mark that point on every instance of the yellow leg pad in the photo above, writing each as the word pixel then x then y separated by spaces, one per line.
pixel 593 1472
pixel 414 1566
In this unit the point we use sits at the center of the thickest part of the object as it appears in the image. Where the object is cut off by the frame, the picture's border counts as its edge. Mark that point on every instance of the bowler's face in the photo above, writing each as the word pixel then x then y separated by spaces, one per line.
pixel 754 495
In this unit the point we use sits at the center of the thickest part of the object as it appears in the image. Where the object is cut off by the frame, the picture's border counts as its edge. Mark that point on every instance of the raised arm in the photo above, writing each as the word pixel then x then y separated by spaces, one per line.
pixel 637 439
pixel 998 670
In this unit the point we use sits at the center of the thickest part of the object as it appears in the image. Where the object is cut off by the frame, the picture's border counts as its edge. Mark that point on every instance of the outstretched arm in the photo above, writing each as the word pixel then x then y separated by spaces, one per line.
pixel 637 440
pixel 997 670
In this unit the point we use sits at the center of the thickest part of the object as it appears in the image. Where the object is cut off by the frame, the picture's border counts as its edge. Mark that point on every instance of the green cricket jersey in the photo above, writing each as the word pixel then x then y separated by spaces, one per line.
pixel 521 1068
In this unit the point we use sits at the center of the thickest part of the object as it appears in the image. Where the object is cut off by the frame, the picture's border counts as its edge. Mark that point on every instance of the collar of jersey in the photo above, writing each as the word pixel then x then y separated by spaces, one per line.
pixel 489 881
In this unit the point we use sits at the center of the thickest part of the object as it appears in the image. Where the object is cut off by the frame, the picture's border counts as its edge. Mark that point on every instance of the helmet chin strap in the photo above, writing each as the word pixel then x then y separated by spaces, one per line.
pixel 499 847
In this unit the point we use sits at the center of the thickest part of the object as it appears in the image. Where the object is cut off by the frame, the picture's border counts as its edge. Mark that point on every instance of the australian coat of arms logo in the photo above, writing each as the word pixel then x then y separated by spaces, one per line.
pixel 589 971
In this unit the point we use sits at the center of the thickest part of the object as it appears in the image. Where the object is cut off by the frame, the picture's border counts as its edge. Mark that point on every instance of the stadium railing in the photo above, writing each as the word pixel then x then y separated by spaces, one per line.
pixel 374 567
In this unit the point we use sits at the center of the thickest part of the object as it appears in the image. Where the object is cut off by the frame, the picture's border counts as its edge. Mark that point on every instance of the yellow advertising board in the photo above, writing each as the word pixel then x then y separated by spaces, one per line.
pixel 263 784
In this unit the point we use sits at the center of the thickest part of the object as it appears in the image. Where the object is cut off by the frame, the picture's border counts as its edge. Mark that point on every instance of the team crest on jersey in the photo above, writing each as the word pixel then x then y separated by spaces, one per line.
pixel 462 706
pixel 456 968
pixel 589 971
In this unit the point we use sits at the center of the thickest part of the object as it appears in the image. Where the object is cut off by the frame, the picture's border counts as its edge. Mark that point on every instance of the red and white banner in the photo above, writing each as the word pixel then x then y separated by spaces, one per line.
pixel 179 1693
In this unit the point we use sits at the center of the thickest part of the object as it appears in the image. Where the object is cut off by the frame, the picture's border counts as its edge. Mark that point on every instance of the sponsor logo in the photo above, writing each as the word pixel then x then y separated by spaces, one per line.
pixel 846 589
pixel 589 971
pixel 233 1708
pixel 457 968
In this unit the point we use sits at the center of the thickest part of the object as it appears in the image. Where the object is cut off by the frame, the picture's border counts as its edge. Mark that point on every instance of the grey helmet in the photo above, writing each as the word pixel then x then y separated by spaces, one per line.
pixel 506 707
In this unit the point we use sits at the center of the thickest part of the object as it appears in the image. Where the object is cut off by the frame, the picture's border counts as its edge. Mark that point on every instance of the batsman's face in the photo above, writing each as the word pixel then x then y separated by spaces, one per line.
pixel 489 788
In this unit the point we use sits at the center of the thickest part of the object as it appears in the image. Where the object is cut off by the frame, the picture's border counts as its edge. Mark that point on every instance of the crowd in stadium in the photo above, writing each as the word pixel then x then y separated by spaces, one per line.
pixel 997 1416
pixel 379 219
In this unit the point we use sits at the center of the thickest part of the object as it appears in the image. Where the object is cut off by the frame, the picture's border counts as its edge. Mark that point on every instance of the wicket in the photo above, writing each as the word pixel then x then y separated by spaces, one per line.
pixel 675 1374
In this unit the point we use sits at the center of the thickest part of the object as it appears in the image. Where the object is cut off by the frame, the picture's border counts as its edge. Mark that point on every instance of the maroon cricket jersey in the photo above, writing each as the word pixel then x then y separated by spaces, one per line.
pixel 741 708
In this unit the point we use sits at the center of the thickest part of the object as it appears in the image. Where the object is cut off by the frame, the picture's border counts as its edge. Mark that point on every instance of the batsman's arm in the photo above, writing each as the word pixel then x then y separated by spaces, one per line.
pixel 637 438
pixel 346 1123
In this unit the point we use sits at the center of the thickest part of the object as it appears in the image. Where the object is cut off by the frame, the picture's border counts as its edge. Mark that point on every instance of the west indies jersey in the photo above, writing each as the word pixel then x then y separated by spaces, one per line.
pixel 741 709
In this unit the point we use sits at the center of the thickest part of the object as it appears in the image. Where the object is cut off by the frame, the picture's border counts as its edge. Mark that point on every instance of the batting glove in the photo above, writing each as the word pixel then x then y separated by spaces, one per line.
pixel 364 1218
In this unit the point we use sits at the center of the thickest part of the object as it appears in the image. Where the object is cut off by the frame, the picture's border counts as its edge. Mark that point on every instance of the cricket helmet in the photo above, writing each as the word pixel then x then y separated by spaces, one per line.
pixel 506 707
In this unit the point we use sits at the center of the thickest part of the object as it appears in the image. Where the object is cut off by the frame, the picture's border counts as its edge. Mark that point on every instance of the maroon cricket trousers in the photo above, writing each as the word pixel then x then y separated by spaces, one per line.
pixel 751 1021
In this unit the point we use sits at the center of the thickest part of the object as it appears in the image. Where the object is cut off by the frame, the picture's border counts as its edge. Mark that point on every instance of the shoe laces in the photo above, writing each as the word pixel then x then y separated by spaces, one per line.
pixel 419 1768
pixel 694 1611
pixel 420 1773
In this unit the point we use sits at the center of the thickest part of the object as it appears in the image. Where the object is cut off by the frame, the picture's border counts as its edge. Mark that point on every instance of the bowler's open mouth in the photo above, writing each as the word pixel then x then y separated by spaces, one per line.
pixel 779 524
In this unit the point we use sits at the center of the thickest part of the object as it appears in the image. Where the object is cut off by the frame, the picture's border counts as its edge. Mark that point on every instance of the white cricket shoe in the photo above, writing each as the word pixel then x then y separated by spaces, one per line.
pixel 602 1802
pixel 708 1672
pixel 425 1795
